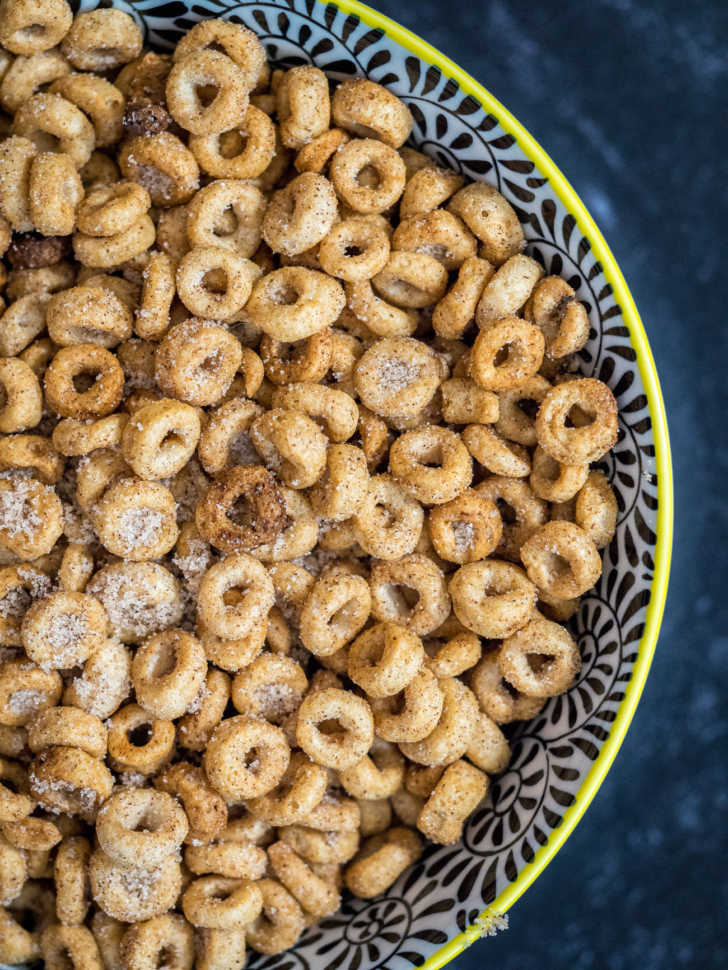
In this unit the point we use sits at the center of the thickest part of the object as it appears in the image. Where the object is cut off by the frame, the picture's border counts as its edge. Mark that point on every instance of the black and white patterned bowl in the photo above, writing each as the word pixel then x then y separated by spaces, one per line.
pixel 458 893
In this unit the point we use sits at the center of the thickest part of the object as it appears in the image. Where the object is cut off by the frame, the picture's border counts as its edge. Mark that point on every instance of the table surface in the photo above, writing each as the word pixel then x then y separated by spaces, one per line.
pixel 629 98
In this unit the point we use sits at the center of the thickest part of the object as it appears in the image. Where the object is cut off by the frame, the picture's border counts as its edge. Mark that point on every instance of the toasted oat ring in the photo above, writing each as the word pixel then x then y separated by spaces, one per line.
pixel 70 780
pixel 196 727
pixel 69 726
pixel 76 567
pixel 305 360
pixel 314 894
pixel 335 610
pixel 99 99
pixel 201 69
pixel 356 249
pixel 110 251
pixel 439 234
pixel 577 445
pixel 16 158
pixel 24 691
pixel 334 410
pixel 19 585
pixel 383 660
pixel 562 559
pixel 508 290
pixel 243 152
pixel 431 463
pixel 523 346
pixel 225 440
pixel 417 714
pixel 596 509
pixel 69 946
pixel 369 110
pixel 88 315
pixel 498 699
pixel 138 824
pixel 302 105
pixel 152 744
pixel 163 938
pixel 488 748
pixel 455 796
pixel 342 489
pixel 466 529
pixel 493 220
pixel 521 510
pixel 554 308
pixel 238 42
pixel 382 318
pixel 23 401
pixel 26 28
pixel 54 191
pixel 378 775
pixel 109 209
pixel 227 612
pixel 315 156
pixel 389 522
pixel 293 303
pixel 104 684
pixel 206 811
pixel 214 902
pixel 16 803
pixel 301 790
pixel 347 165
pixel 163 165
pixel 397 377
pixel 101 40
pixel 300 215
pixel 236 740
pixel 456 310
pixel 381 860
pixel 136 519
pixel 281 922
pixel 515 423
pixel 23 321
pixel 258 488
pixel 32 834
pixel 196 362
pixel 497 455
pixel 52 123
pixel 31 517
pixel 558 659
pixel 63 630
pixel 271 687
pixel 161 438
pixel 220 949
pixel 492 598
pixel 227 213
pixel 553 481
pixel 427 189
pixel 115 888
pixel 291 443
pixel 350 743
pixel 180 656
pixel 327 848
pixel 236 859
pixel 214 283
pixel 411 578
pixel 450 737
pixel 411 280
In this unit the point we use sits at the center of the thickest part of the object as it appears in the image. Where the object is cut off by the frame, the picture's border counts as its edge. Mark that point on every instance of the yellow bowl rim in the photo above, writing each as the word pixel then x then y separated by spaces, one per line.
pixel 646 366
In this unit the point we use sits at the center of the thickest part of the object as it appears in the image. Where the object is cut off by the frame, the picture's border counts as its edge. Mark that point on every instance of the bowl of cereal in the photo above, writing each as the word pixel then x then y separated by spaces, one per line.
pixel 335 501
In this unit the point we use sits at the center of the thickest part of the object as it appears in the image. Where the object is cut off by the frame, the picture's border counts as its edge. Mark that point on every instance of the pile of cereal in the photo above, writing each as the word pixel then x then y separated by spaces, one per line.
pixel 295 493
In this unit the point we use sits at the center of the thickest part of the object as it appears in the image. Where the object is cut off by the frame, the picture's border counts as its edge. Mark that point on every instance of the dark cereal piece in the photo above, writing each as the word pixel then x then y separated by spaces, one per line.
pixel 30 250
pixel 145 117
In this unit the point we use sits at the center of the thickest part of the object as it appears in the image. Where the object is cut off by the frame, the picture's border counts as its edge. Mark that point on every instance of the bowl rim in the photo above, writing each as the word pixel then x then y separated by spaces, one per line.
pixel 487 922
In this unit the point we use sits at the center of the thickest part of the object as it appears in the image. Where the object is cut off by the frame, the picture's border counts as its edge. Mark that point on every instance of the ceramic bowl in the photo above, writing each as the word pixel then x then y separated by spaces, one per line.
pixel 457 893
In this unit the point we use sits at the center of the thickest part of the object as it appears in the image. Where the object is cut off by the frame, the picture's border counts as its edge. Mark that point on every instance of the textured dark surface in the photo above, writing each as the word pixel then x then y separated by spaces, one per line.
pixel 629 99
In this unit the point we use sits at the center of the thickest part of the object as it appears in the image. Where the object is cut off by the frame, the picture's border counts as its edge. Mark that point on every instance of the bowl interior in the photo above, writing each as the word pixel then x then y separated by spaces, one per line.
pixel 560 757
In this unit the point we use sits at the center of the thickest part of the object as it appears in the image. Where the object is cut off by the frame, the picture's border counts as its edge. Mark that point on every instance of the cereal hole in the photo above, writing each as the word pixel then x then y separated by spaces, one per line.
pixel 140 735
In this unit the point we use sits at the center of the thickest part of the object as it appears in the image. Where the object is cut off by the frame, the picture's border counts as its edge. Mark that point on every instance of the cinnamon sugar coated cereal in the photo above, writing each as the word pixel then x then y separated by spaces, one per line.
pixel 296 493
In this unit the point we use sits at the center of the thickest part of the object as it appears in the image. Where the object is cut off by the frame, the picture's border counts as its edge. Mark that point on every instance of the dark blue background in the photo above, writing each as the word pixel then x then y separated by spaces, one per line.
pixel 630 98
